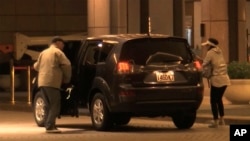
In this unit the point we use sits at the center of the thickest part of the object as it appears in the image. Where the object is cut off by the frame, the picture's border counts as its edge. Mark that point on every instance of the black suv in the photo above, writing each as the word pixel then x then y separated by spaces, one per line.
pixel 132 75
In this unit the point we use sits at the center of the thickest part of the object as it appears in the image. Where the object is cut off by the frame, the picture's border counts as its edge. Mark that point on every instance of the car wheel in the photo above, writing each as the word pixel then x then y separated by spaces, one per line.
pixel 121 119
pixel 184 121
pixel 100 116
pixel 39 109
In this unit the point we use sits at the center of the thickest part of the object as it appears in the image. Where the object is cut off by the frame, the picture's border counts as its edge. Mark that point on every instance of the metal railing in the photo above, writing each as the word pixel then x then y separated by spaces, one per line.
pixel 13 69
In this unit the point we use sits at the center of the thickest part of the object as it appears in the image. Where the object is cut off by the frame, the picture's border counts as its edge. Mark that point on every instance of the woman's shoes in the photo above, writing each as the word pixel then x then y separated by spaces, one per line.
pixel 214 124
pixel 221 121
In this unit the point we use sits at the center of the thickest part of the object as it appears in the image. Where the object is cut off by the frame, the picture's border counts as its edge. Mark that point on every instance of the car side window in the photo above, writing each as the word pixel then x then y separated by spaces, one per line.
pixel 98 53
pixel 103 51
pixel 89 51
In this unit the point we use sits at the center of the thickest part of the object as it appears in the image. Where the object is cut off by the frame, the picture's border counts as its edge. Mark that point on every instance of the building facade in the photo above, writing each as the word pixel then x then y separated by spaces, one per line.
pixel 226 20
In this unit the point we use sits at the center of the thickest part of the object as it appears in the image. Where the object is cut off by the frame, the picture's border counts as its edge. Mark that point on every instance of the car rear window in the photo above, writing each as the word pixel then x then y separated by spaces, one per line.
pixel 141 50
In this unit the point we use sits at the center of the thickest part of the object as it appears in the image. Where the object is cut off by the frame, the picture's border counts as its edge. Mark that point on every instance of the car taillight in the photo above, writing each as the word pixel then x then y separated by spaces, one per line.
pixel 197 65
pixel 124 67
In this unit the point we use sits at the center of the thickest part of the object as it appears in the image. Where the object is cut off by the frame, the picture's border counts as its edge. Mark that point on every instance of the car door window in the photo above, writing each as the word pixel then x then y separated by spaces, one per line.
pixel 103 52
pixel 91 57
pixel 87 55
pixel 98 53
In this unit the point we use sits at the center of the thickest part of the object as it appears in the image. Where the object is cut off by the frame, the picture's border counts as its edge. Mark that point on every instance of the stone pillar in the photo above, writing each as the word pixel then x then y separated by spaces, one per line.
pixel 119 16
pixel 178 18
pixel 248 27
pixel 133 16
pixel 98 17
pixel 225 20
pixel 242 42
pixel 144 14
pixel 196 27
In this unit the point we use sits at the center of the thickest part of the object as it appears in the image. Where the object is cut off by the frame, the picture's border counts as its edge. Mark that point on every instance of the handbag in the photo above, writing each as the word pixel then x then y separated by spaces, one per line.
pixel 207 71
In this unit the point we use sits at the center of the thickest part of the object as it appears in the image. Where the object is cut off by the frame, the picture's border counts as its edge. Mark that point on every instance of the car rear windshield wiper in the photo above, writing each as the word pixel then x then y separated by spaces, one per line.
pixel 163 58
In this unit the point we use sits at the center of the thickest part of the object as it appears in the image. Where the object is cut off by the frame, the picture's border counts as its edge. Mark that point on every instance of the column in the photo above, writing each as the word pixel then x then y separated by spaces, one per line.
pixel 196 27
pixel 98 17
pixel 248 27
pixel 119 16
pixel 144 14
pixel 178 17
pixel 242 42
pixel 133 16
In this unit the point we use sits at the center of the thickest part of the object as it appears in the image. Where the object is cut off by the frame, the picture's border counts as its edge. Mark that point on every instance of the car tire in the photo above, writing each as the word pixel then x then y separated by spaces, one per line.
pixel 39 109
pixel 100 115
pixel 121 119
pixel 184 121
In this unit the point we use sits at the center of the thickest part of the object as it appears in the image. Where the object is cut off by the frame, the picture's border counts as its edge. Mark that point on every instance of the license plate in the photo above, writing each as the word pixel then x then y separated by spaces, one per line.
pixel 165 76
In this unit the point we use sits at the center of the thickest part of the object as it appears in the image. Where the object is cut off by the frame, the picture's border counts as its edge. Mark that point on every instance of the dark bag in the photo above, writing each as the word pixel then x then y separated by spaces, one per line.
pixel 207 71
pixel 69 102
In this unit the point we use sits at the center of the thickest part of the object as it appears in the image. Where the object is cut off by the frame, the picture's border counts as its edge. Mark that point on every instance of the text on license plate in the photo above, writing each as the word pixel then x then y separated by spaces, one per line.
pixel 165 76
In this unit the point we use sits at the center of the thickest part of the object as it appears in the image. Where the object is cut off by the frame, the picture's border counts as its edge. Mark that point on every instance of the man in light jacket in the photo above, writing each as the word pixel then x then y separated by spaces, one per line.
pixel 54 69
pixel 219 80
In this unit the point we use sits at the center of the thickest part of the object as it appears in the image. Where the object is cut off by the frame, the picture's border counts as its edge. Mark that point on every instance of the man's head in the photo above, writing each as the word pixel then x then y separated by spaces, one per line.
pixel 59 42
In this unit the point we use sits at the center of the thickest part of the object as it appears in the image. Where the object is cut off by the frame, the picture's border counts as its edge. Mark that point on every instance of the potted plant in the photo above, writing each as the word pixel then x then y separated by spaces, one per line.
pixel 239 90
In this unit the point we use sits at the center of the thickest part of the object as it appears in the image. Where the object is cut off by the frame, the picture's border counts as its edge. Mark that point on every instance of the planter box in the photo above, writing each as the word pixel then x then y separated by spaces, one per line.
pixel 239 91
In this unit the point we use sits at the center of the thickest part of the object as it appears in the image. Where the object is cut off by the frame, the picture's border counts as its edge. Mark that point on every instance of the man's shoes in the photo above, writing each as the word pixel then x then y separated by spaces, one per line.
pixel 53 130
